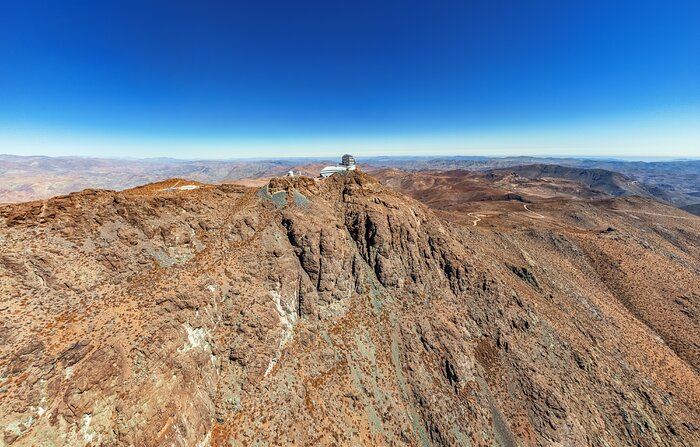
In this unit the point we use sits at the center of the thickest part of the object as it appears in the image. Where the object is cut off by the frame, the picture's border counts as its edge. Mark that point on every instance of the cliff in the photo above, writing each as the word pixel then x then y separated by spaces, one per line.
pixel 336 312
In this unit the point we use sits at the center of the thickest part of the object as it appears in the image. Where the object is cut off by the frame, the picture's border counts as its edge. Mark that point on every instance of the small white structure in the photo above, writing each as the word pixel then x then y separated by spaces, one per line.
pixel 182 188
pixel 347 164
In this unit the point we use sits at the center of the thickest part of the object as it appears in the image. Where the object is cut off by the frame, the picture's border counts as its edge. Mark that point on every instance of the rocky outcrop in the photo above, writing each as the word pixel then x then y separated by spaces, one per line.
pixel 331 312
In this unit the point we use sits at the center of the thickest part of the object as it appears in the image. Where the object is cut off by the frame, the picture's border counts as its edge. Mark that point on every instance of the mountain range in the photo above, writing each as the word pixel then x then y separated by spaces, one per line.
pixel 33 178
pixel 438 308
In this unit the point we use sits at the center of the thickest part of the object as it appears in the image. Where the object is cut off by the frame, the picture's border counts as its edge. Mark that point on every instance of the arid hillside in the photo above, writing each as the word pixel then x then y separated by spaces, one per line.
pixel 601 180
pixel 25 178
pixel 344 312
pixel 447 189
pixel 37 177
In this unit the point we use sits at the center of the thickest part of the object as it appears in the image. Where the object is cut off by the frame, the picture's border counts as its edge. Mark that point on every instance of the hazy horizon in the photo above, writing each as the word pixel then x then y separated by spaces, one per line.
pixel 334 156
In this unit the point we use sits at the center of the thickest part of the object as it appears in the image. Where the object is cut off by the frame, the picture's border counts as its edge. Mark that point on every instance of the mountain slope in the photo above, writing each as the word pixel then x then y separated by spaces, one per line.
pixel 25 178
pixel 333 313
pixel 609 182
pixel 694 209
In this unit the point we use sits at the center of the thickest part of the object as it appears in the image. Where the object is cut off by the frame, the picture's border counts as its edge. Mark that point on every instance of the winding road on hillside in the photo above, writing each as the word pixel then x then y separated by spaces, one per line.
pixel 476 217
pixel 655 214
pixel 536 215
pixel 479 216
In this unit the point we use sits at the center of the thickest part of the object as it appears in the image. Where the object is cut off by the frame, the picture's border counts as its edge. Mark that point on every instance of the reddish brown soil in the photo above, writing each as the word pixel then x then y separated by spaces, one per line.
pixel 342 312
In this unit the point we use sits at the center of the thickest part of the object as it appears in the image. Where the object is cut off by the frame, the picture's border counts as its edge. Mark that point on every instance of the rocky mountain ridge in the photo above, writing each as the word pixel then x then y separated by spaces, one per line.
pixel 337 312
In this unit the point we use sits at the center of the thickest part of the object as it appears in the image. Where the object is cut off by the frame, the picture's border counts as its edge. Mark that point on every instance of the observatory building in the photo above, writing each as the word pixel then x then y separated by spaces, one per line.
pixel 347 163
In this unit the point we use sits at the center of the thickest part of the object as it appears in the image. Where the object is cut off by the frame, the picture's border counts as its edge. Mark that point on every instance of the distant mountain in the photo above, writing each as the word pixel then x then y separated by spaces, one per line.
pixel 609 182
pixel 694 209
pixel 37 177
pixel 674 181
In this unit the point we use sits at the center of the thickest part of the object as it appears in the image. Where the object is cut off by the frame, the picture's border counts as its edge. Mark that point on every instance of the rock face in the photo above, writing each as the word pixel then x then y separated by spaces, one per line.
pixel 336 313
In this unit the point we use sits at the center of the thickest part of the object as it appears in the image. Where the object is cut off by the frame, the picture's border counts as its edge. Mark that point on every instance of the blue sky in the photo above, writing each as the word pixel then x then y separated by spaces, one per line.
pixel 272 78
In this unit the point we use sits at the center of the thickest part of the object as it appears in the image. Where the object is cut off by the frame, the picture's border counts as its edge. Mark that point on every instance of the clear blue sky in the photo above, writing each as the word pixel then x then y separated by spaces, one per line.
pixel 268 78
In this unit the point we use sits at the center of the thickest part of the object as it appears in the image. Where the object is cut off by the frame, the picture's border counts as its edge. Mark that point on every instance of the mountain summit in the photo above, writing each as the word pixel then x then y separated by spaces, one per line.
pixel 341 312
